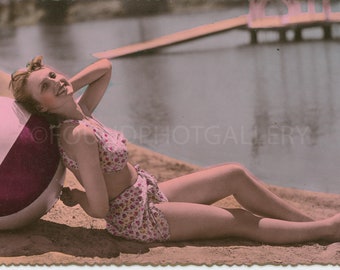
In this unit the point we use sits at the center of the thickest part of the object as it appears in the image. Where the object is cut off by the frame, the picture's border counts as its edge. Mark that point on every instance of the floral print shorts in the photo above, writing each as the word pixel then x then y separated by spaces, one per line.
pixel 132 213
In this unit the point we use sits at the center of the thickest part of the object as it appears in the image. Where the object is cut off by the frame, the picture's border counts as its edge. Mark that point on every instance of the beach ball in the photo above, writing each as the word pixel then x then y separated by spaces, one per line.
pixel 31 173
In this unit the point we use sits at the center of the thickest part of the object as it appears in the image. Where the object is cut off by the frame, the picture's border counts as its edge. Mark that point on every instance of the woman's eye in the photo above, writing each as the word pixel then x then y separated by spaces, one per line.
pixel 52 75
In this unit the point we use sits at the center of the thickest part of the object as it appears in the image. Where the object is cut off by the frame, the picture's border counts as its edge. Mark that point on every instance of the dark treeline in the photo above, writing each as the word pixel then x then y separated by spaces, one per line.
pixel 18 12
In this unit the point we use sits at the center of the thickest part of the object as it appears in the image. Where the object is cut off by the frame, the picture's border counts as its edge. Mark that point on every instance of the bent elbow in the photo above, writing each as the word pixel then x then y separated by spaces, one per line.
pixel 106 64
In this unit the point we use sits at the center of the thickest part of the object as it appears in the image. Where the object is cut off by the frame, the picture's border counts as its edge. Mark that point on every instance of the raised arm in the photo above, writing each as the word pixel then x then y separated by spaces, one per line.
pixel 96 77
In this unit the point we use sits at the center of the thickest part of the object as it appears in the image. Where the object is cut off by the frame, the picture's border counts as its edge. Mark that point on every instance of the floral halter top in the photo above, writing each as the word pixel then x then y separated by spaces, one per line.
pixel 112 147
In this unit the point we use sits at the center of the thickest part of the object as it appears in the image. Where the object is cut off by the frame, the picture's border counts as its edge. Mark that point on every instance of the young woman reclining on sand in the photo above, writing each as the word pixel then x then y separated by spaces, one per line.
pixel 131 201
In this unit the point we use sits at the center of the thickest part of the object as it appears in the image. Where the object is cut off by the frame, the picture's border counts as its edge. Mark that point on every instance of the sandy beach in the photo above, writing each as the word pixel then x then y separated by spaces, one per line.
pixel 66 235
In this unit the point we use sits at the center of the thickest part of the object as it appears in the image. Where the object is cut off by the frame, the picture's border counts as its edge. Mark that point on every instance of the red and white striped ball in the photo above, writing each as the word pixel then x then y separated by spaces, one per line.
pixel 31 173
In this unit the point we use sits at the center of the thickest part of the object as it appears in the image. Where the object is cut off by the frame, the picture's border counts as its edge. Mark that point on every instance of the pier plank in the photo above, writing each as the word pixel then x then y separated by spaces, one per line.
pixel 175 38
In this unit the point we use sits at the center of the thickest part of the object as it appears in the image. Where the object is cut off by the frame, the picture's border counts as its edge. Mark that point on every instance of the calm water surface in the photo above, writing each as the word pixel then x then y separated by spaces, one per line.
pixel 273 107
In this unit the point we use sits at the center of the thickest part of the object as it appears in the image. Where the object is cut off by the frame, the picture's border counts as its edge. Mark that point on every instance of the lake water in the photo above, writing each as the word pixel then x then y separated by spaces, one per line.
pixel 274 107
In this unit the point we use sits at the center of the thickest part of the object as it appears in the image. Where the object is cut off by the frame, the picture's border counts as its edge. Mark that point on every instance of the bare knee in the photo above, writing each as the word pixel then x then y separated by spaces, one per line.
pixel 236 175
pixel 235 170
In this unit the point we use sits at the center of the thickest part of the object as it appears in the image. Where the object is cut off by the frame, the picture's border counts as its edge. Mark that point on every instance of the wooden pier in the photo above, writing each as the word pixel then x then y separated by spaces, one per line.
pixel 179 37
pixel 256 20
pixel 295 19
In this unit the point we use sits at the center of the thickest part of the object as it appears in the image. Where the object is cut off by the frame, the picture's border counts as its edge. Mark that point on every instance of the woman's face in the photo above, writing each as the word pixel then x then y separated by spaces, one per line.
pixel 49 88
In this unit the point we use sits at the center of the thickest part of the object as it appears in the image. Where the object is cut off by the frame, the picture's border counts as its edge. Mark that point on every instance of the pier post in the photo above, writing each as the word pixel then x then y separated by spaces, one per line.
pixel 253 36
pixel 311 6
pixel 282 34
pixel 298 34
pixel 327 32
pixel 326 5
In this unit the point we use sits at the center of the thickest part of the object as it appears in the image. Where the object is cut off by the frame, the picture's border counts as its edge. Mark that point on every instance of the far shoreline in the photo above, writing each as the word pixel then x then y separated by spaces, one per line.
pixel 32 12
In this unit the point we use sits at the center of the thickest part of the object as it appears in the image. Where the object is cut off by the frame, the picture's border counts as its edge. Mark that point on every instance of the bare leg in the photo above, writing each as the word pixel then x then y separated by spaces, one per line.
pixel 210 185
pixel 190 221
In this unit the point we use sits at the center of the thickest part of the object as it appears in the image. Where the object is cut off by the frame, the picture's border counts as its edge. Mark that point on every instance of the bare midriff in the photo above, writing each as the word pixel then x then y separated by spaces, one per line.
pixel 117 182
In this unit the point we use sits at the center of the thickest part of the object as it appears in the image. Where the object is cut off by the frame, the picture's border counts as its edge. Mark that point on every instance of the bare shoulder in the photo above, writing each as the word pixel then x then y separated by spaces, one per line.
pixel 76 136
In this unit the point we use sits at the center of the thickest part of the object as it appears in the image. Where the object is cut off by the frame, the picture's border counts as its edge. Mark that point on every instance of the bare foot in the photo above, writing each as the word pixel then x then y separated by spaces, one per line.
pixel 334 231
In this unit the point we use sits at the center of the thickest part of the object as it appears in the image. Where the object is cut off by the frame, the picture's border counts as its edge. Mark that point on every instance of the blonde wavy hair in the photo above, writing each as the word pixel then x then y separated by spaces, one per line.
pixel 18 86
